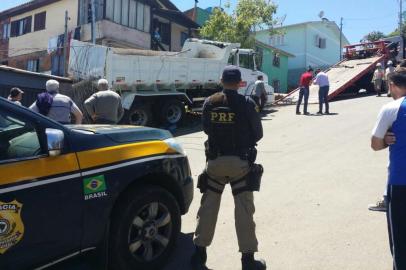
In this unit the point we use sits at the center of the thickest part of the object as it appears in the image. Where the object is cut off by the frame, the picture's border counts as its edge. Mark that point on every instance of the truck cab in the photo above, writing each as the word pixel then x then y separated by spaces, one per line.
pixel 245 59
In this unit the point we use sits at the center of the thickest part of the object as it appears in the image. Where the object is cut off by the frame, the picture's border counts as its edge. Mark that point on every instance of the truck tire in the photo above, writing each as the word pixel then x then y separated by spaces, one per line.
pixel 172 112
pixel 140 115
pixel 145 226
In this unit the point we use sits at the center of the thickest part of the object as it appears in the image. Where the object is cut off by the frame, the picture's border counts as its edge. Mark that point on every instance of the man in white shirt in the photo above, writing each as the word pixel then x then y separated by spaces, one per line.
pixel 393 118
pixel 324 86
pixel 379 74
pixel 59 107
pixel 389 70
pixel 260 96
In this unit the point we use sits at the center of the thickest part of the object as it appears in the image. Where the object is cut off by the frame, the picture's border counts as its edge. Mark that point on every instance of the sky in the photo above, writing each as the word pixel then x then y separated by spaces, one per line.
pixel 359 16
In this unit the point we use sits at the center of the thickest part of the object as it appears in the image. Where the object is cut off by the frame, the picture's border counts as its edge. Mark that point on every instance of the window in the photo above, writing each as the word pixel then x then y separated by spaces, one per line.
pixel 131 13
pixel 33 65
pixel 277 40
pixel 21 27
pixel 276 84
pixel 117 11
pixel 6 31
pixel 140 16
pixel 18 138
pixel 39 21
pixel 164 31
pixel 259 57
pixel 124 12
pixel 320 42
pixel 231 59
pixel 246 61
pixel 147 18
pixel 276 60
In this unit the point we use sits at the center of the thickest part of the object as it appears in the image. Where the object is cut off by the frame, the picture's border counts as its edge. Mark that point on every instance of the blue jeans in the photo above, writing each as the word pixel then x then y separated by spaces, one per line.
pixel 323 98
pixel 303 93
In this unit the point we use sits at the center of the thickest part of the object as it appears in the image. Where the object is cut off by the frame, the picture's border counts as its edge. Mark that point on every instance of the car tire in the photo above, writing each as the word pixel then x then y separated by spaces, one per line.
pixel 172 112
pixel 145 226
pixel 140 115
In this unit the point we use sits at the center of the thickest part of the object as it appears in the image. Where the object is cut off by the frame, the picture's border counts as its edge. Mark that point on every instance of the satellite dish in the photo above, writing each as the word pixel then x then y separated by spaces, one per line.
pixel 321 14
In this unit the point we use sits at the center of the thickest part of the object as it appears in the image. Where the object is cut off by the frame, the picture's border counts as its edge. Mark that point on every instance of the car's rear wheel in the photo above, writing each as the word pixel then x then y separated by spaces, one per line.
pixel 145 226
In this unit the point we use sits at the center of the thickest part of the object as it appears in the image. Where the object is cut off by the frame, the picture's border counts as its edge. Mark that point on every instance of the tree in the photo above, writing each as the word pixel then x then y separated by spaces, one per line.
pixel 248 17
pixel 374 36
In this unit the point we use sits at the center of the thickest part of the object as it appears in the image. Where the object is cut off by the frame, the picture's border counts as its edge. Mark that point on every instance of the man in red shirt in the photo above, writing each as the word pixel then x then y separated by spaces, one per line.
pixel 305 82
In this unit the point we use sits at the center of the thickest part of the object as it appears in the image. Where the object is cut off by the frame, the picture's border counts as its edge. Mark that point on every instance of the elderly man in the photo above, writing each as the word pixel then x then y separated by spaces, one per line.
pixel 56 106
pixel 104 107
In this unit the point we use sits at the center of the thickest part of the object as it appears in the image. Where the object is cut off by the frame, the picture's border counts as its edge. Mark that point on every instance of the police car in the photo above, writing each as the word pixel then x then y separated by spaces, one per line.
pixel 114 191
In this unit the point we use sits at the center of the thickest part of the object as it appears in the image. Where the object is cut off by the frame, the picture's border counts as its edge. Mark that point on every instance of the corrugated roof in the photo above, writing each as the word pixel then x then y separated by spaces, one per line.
pixel 21 71
pixel 25 7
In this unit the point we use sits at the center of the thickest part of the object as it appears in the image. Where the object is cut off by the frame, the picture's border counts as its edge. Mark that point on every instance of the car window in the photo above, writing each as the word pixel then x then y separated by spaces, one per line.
pixel 18 138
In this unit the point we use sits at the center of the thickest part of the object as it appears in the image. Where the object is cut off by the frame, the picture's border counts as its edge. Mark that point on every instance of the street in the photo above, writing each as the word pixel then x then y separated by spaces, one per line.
pixel 311 213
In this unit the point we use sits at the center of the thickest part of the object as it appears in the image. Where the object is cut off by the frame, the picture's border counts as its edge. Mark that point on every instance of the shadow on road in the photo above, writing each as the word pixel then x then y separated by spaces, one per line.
pixel 184 249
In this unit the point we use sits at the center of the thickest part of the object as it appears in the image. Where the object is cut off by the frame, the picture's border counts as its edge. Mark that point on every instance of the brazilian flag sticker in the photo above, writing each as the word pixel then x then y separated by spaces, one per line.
pixel 94 184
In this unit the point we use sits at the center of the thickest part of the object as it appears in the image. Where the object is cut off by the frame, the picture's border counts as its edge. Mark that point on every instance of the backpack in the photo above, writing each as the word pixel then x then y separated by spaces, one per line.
pixel 44 103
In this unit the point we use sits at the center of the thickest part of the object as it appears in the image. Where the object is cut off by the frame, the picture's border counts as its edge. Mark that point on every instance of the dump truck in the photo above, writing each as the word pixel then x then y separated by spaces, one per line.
pixel 158 87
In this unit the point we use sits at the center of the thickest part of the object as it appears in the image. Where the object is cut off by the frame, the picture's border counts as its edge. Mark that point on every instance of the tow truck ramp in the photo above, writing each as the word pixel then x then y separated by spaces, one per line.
pixel 342 75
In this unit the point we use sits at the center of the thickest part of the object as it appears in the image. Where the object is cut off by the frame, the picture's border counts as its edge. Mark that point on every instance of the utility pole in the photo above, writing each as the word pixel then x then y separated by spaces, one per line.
pixel 195 11
pixel 65 45
pixel 341 39
pixel 93 23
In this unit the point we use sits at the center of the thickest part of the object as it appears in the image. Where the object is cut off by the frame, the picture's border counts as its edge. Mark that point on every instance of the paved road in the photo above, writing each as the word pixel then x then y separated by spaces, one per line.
pixel 311 212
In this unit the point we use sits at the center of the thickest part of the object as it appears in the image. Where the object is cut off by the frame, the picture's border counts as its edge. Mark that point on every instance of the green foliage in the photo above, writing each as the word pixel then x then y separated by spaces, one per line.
pixel 248 17
pixel 374 36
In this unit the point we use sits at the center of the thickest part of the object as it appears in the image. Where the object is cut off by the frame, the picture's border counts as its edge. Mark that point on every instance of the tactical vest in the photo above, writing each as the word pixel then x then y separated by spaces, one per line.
pixel 229 130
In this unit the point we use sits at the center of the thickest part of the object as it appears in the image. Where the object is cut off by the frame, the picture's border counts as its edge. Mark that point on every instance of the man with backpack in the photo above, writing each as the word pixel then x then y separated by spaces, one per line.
pixel 56 106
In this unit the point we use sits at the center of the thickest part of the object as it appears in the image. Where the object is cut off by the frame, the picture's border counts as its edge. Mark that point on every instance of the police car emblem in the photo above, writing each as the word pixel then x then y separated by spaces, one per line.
pixel 11 225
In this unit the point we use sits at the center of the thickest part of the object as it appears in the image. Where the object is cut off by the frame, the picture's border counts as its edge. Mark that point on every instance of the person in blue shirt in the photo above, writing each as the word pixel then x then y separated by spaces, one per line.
pixel 392 121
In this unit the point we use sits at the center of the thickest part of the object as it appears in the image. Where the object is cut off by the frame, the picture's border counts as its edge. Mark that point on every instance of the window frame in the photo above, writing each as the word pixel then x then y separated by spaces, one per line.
pixel 37 65
pixel 21 27
pixel 6 31
pixel 39 26
pixel 276 60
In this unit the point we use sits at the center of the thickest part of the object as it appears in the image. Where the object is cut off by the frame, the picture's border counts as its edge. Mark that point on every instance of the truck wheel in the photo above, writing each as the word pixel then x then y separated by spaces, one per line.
pixel 145 227
pixel 140 115
pixel 172 112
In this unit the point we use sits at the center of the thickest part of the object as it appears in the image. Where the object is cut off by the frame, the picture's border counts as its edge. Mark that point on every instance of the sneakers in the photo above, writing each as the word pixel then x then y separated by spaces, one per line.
pixel 319 112
pixel 306 113
pixel 199 258
pixel 380 205
pixel 298 113
pixel 249 263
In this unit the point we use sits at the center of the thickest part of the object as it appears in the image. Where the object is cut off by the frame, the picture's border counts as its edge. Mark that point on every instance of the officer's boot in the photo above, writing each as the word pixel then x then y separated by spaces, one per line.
pixel 249 263
pixel 199 258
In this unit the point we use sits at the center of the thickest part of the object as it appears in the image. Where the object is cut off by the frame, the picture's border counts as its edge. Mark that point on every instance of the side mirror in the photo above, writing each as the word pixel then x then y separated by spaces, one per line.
pixel 55 141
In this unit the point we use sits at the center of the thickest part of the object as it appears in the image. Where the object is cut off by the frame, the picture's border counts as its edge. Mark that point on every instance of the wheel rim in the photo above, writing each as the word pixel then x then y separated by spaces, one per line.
pixel 150 232
pixel 139 118
pixel 173 114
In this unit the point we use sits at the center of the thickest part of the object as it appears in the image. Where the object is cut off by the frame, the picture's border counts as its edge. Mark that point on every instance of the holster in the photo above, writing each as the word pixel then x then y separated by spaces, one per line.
pixel 254 177
pixel 202 182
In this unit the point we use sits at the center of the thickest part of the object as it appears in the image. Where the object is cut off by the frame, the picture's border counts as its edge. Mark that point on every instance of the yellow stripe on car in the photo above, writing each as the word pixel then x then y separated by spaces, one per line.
pixel 108 155
pixel 37 168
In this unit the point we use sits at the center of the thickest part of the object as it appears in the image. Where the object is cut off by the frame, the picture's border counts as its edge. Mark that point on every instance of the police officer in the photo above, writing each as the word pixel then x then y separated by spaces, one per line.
pixel 233 126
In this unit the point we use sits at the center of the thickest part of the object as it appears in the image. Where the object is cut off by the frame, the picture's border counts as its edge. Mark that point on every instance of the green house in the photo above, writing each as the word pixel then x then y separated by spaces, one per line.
pixel 274 63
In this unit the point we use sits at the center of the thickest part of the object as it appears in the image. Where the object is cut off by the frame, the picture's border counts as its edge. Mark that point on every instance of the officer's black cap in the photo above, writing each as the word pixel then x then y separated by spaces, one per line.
pixel 231 74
